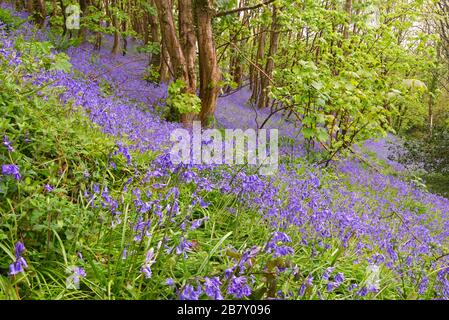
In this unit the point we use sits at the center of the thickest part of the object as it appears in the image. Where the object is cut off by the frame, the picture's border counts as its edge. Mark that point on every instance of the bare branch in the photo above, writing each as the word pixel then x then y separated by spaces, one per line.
pixel 225 13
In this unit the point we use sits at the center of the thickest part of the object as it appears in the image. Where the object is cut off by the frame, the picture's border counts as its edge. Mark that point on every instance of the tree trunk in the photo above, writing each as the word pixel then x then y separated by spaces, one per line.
pixel 98 35
pixel 124 38
pixel 175 52
pixel 256 73
pixel 188 39
pixel 116 25
pixel 83 30
pixel 274 44
pixel 41 13
pixel 210 74
pixel 188 43
pixel 30 6
pixel 54 5
pixel 165 65
pixel 348 10
pixel 155 58
pixel 236 65
pixel 170 39
pixel 64 16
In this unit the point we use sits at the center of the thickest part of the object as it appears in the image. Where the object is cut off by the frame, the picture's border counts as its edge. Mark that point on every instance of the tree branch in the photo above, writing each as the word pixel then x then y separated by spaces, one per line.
pixel 225 13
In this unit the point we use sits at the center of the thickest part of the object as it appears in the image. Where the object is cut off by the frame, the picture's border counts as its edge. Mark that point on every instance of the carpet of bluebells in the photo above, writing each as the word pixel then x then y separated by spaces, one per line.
pixel 214 232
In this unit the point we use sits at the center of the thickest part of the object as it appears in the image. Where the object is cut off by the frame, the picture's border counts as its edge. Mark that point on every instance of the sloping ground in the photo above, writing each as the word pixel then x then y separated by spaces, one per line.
pixel 345 232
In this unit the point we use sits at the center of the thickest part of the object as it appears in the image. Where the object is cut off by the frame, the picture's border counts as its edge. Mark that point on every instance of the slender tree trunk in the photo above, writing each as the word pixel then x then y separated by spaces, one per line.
pixel 174 50
pixel 64 27
pixel 433 86
pixel 257 74
pixel 42 12
pixel 170 39
pixel 348 10
pixel 124 30
pixel 20 5
pixel 30 6
pixel 98 35
pixel 116 25
pixel 165 65
pixel 37 9
pixel 54 5
pixel 155 58
pixel 188 39
pixel 236 60
pixel 124 38
pixel 274 44
pixel 210 74
pixel 188 43
pixel 83 30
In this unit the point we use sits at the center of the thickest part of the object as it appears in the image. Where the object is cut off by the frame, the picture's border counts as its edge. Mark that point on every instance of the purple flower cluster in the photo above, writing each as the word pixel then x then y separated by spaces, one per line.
pixel 7 144
pixel 11 170
pixel 279 250
pixel 337 281
pixel 20 264
pixel 190 293
pixel 239 287
pixel 149 261
pixel 75 275
pixel 212 288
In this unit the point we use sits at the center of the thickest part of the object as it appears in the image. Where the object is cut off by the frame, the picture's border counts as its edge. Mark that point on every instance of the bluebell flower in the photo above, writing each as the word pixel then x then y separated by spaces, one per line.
pixel 331 285
pixel 229 272
pixel 283 251
pixel 212 288
pixel 18 249
pixel 75 274
pixel 302 290
pixel 423 285
pixel 339 278
pixel 80 255
pixel 80 272
pixel 149 261
pixel 189 293
pixel 327 273
pixel 7 144
pixel 362 292
pixel 308 282
pixel 20 264
pixel 146 270
pixel 11 170
pixel 239 287
pixel 183 247
pixel 197 223
pixel 352 286
pixel 203 204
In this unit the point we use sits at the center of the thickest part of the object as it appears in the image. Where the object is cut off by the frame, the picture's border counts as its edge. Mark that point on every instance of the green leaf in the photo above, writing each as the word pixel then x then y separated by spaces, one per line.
pixel 308 133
